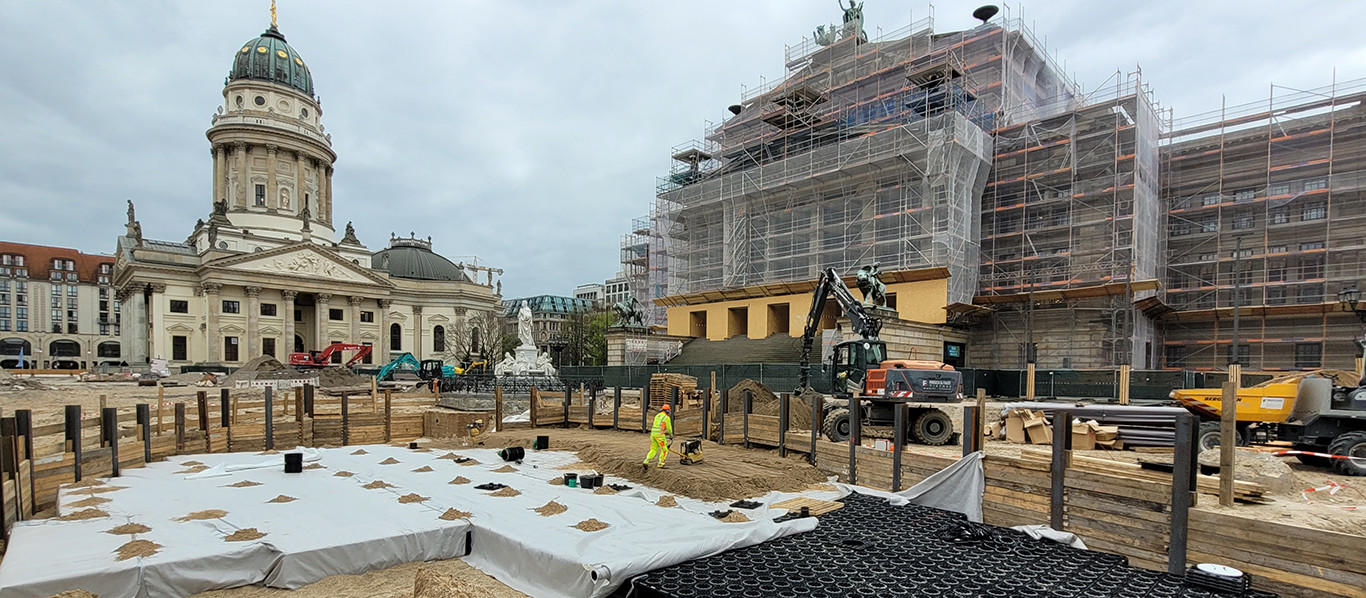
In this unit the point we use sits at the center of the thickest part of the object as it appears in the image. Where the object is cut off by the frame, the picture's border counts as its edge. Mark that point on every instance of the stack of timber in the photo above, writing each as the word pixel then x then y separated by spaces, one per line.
pixel 662 385
pixel 1242 490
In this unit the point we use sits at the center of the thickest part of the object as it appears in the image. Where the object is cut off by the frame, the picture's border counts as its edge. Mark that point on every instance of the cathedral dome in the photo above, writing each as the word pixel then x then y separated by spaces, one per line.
pixel 269 58
pixel 414 259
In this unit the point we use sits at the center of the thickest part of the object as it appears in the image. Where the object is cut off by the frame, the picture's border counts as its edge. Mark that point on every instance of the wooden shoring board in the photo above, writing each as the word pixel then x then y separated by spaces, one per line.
pixel 818 507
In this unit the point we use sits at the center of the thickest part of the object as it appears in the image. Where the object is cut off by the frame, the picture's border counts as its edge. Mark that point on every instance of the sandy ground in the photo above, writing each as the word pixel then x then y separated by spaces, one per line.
pixel 394 582
pixel 727 473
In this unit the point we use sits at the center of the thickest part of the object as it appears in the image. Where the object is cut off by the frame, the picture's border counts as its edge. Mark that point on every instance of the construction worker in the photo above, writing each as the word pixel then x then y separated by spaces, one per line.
pixel 661 434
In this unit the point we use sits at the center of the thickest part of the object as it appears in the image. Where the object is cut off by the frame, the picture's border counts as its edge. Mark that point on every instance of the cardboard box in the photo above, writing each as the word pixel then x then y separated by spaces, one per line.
pixel 1015 431
pixel 995 430
pixel 1038 429
pixel 1083 437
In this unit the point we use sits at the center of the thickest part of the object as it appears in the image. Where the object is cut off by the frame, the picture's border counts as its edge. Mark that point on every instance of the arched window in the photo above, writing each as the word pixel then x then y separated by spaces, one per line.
pixel 64 348
pixel 298 344
pixel 108 349
pixel 439 339
pixel 395 338
pixel 474 341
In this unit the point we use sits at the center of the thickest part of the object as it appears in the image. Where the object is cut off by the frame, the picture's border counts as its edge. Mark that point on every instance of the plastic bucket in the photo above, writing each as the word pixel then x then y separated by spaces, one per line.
pixel 571 480
pixel 294 462
pixel 542 443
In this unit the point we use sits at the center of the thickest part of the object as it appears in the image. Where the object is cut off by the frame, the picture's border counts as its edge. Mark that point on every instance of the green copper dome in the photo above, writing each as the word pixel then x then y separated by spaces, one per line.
pixel 269 58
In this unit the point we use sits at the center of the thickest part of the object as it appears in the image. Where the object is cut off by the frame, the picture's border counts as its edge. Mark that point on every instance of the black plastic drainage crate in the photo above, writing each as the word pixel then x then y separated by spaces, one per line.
pixel 870 548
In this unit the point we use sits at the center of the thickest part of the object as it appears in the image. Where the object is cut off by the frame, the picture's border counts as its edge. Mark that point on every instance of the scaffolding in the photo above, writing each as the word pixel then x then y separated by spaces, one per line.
pixel 1265 205
pixel 864 152
pixel 1072 204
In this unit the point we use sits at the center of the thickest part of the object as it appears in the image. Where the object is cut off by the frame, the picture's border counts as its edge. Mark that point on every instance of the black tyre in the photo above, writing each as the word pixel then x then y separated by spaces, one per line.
pixel 932 427
pixel 1207 436
pixel 1350 444
pixel 836 425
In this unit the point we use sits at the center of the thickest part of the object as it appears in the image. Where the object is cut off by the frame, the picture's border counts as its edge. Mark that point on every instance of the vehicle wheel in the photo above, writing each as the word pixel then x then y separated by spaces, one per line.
pixel 1351 444
pixel 933 427
pixel 1207 436
pixel 836 425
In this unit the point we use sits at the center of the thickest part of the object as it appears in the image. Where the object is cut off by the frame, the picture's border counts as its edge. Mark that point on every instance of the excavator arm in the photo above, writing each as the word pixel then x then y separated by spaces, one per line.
pixel 831 285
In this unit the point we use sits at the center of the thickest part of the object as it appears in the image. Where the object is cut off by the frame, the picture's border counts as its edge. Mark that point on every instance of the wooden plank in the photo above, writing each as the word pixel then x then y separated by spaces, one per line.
pixel 816 507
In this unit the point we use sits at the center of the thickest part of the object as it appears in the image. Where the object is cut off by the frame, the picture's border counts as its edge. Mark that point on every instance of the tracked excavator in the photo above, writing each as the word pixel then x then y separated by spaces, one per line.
pixel 862 375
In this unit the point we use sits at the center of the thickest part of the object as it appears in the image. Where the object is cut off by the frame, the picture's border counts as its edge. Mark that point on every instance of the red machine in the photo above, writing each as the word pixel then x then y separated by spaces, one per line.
pixel 323 358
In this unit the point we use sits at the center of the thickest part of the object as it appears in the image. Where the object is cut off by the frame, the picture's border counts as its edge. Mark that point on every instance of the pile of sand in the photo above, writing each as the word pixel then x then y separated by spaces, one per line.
pixel 202 515
pixel 451 456
pixel 551 508
pixel 389 461
pixel 429 583
pixel 453 513
pixel 314 466
pixel 245 534
pixel 360 452
pixel 83 515
pixel 282 499
pixel 734 517
pixel 506 492
pixel 377 485
pixel 93 501
pixel 505 469
pixel 423 469
pixel 337 377
pixel 129 529
pixel 138 548
pixel 556 481
pixel 765 402
pixel 75 594
pixel 460 480
pixel 264 367
pixel 667 501
pixel 590 525
pixel 1260 468
pixel 343 474
pixel 604 490
pixel 411 497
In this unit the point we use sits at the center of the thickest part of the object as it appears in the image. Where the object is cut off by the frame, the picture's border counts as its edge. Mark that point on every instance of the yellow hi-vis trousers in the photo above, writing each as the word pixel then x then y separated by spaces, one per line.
pixel 658 444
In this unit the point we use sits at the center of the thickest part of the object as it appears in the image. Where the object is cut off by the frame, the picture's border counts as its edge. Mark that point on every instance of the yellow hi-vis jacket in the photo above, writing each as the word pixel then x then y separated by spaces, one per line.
pixel 662 426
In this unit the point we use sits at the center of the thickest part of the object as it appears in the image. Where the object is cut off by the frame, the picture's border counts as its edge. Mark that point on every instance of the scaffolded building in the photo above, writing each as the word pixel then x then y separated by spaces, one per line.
pixel 1080 230
pixel 1265 209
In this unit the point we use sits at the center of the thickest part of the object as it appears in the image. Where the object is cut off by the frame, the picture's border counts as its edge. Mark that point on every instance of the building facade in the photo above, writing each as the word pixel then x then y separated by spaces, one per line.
pixel 265 274
pixel 57 308
pixel 592 291
pixel 1078 230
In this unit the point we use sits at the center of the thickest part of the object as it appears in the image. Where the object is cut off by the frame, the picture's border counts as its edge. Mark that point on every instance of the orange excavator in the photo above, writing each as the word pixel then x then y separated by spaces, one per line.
pixel 323 358
pixel 862 374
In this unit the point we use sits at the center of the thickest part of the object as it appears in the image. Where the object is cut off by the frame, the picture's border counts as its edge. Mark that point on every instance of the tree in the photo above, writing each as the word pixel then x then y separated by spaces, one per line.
pixel 587 336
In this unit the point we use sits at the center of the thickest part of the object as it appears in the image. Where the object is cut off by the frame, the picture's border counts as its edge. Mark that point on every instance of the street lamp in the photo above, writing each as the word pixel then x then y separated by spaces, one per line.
pixel 1349 298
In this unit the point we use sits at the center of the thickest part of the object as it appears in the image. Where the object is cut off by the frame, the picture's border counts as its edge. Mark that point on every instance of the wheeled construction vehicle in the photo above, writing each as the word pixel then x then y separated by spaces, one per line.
pixel 862 374
pixel 1313 413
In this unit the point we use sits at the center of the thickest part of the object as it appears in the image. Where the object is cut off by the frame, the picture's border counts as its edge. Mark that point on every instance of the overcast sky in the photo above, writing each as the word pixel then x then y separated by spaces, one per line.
pixel 528 133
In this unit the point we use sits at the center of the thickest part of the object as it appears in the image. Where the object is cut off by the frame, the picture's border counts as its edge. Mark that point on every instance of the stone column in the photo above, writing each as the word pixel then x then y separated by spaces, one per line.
pixel 417 331
pixel 212 341
pixel 272 190
pixel 135 322
pixel 323 303
pixel 219 173
pixel 243 176
pixel 298 183
pixel 155 309
pixel 355 318
pixel 253 323
pixel 325 214
pixel 289 296
pixel 384 329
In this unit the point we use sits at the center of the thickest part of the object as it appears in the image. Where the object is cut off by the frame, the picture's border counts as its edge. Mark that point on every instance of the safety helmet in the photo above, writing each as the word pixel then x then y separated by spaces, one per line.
pixel 665 407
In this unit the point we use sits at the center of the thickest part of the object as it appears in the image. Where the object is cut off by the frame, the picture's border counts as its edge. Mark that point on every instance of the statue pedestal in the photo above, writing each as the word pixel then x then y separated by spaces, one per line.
pixel 527 355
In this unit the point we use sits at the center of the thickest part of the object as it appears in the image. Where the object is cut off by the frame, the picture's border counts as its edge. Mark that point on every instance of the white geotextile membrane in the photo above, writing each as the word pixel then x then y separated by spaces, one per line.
pixel 338 527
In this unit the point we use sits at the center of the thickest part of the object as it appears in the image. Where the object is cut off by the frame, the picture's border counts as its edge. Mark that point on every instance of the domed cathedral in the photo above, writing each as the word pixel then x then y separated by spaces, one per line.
pixel 263 273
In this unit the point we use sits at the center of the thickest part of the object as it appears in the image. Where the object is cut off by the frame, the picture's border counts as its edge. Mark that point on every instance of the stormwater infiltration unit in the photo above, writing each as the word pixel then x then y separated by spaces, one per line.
pixel 871 548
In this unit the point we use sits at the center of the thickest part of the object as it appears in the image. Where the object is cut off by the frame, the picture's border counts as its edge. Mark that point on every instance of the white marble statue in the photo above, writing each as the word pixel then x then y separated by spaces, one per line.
pixel 524 326
pixel 543 364
pixel 504 367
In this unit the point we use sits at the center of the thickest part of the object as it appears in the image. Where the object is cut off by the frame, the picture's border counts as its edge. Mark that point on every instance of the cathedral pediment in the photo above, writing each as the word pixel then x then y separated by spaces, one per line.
pixel 300 260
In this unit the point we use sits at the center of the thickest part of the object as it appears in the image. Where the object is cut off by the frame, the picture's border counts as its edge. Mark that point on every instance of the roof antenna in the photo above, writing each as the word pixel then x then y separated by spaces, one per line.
pixel 982 14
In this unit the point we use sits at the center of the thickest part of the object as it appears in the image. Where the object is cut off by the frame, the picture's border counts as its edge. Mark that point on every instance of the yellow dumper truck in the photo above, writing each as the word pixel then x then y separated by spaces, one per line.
pixel 1321 412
